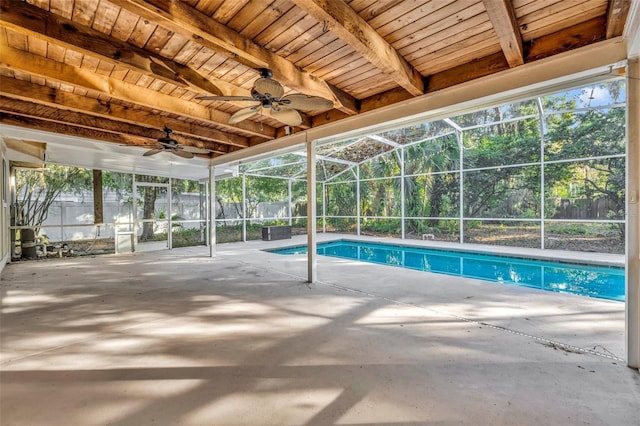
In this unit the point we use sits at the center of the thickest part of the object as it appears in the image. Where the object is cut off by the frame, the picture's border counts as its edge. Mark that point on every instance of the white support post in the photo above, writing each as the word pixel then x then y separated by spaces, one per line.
pixel 134 211
pixel 324 208
pixel 542 186
pixel 244 208
pixel 461 183
pixel 202 213
pixel 212 212
pixel 12 206
pixel 312 258
pixel 633 214
pixel 207 213
pixel 402 195
pixel 358 199
pixel 290 206
pixel 169 215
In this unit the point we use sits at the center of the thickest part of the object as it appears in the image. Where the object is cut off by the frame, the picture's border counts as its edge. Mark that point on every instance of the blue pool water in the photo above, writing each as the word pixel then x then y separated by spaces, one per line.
pixel 595 281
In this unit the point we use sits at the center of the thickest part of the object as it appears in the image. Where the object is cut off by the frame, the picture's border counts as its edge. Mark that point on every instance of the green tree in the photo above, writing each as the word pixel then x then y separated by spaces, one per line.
pixel 263 189
pixel 149 196
pixel 574 136
pixel 257 189
pixel 36 190
pixel 493 192
pixel 430 191
pixel 229 191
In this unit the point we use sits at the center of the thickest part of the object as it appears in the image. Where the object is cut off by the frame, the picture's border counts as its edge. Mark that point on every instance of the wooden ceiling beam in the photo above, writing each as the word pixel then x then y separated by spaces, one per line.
pixel 617 12
pixel 69 130
pixel 346 24
pixel 78 77
pixel 470 71
pixel 570 38
pixel 200 28
pixel 380 100
pixel 52 114
pixel 25 90
pixel 580 35
pixel 181 18
pixel 33 21
pixel 503 18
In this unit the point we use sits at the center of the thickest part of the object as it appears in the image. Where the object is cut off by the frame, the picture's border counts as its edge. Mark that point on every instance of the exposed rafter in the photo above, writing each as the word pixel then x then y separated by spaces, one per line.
pixel 69 101
pixel 345 23
pixel 616 11
pixel 37 65
pixel 503 19
pixel 141 64
pixel 43 112
pixel 121 116
pixel 561 41
pixel 70 130
pixel 183 19
pixel 31 20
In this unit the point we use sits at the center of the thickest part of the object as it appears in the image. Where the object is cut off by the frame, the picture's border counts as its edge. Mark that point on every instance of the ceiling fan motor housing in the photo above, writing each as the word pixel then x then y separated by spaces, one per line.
pixel 168 142
pixel 265 73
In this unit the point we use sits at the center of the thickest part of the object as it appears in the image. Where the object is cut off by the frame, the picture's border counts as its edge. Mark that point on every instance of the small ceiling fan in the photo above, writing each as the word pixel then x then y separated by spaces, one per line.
pixel 168 144
pixel 268 93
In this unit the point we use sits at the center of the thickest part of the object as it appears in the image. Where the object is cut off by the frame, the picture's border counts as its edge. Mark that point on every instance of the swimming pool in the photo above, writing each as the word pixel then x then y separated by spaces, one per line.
pixel 595 281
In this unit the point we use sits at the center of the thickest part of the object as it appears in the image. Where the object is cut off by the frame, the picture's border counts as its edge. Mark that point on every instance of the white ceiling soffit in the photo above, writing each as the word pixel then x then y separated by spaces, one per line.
pixel 584 65
pixel 91 154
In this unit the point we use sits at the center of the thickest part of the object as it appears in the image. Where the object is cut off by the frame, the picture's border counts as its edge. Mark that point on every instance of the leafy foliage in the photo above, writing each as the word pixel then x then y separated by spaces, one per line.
pixel 341 199
pixel 36 190
pixel 258 190
pixel 581 135
pixel 584 185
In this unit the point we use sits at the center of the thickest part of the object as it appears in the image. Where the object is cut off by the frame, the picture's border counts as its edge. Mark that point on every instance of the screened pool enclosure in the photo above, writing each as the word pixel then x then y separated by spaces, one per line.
pixel 139 212
pixel 546 172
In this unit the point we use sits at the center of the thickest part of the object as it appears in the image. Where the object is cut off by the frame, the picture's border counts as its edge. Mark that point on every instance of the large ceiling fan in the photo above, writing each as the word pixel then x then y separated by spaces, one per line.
pixel 268 93
pixel 168 144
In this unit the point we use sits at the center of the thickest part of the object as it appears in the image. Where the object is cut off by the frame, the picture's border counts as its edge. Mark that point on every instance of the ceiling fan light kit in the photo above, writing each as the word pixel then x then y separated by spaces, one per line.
pixel 169 144
pixel 268 93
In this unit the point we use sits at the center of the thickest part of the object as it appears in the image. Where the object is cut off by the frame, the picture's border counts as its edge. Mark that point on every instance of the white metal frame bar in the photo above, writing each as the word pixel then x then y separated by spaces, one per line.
pixel 312 257
pixel 633 214
pixel 358 201
pixel 244 208
pixel 212 212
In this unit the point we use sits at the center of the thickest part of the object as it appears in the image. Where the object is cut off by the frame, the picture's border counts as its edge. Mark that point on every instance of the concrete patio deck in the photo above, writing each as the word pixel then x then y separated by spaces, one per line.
pixel 178 338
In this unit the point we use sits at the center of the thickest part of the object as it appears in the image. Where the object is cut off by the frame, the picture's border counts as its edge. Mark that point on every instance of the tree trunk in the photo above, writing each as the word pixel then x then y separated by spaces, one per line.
pixel 435 199
pixel 148 213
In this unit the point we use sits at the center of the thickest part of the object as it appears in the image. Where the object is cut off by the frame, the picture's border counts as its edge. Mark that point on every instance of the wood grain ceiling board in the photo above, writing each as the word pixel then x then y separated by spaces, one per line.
pixel 253 18
pixel 402 14
pixel 549 17
pixel 175 59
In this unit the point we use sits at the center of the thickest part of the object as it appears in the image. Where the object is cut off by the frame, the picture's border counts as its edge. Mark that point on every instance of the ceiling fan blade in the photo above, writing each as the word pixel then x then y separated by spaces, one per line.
pixel 182 153
pixel 308 103
pixel 152 152
pixel 243 114
pixel 288 116
pixel 225 98
pixel 148 145
pixel 195 149
pixel 268 86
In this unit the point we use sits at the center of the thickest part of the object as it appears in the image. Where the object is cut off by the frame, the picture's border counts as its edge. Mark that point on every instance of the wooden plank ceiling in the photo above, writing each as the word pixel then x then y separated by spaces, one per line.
pixel 119 70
